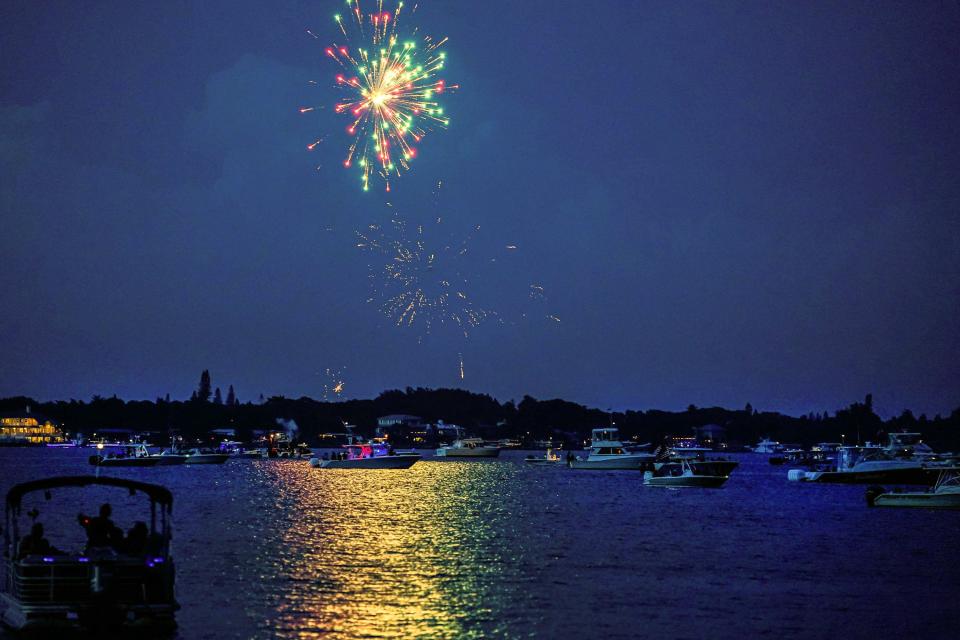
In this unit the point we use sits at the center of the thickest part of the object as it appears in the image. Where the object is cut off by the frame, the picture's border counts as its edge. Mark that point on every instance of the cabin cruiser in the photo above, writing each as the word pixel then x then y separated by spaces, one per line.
pixel 205 456
pixel 680 474
pixel 768 446
pixel 469 448
pixel 366 455
pixel 131 456
pixel 945 494
pixel 46 589
pixel 607 452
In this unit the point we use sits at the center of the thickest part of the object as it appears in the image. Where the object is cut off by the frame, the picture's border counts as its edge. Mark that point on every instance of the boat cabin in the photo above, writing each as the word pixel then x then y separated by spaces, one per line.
pixel 605 437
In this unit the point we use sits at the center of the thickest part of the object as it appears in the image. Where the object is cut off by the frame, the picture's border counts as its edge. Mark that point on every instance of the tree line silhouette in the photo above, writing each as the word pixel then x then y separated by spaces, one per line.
pixel 530 419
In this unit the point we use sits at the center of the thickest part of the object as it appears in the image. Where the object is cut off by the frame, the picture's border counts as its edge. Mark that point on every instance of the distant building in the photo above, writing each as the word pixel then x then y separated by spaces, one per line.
pixel 26 427
pixel 711 434
pixel 395 419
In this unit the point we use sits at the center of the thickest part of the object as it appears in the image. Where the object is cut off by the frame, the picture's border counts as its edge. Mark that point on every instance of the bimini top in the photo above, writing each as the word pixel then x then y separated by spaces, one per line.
pixel 154 491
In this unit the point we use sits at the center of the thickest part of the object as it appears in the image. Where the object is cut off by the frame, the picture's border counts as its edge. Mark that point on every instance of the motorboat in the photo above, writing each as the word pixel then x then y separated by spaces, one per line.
pixel 549 458
pixel 469 448
pixel 366 455
pixel 945 494
pixel 870 464
pixel 766 445
pixel 680 474
pixel 131 456
pixel 252 454
pixel 205 456
pixel 46 589
pixel 607 452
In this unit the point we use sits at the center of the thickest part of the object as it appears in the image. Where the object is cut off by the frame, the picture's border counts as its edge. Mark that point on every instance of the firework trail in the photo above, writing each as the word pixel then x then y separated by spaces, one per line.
pixel 390 86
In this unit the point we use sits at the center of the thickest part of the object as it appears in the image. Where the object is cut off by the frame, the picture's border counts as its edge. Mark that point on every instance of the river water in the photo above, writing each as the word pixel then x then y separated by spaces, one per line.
pixel 499 549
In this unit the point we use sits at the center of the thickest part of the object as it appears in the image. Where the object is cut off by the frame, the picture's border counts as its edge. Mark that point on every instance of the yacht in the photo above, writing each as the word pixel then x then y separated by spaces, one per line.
pixel 768 446
pixel 945 494
pixel 868 464
pixel 469 448
pixel 607 451
pixel 366 455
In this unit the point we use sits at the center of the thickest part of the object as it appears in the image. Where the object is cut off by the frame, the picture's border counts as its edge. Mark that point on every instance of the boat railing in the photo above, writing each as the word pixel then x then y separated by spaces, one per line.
pixel 57 580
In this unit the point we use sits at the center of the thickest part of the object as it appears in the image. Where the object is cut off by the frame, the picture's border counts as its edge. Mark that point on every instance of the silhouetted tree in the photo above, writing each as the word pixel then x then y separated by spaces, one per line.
pixel 749 409
pixel 203 391
pixel 217 398
pixel 231 397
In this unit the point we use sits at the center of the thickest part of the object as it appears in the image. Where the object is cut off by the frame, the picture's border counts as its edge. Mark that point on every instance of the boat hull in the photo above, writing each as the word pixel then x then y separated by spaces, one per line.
pixel 905 475
pixel 704 482
pixel 477 452
pixel 166 460
pixel 207 458
pixel 618 463
pixel 379 462
pixel 918 500
pixel 122 462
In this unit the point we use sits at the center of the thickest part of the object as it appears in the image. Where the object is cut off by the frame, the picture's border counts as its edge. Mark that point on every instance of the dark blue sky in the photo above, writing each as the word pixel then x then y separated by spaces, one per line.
pixel 724 202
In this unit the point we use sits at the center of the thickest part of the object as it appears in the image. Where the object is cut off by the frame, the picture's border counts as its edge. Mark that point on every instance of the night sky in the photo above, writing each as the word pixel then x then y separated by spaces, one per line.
pixel 724 203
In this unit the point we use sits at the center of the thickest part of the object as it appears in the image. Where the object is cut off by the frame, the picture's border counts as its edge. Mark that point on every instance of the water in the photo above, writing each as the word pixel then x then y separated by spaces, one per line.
pixel 478 549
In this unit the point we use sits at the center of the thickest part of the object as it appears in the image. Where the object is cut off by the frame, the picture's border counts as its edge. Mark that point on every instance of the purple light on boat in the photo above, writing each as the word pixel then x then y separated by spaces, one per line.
pixel 47 559
pixel 158 560
pixel 81 559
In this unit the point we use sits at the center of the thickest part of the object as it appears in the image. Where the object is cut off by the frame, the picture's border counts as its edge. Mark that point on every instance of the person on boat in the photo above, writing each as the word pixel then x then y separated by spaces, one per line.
pixel 136 541
pixel 101 532
pixel 35 544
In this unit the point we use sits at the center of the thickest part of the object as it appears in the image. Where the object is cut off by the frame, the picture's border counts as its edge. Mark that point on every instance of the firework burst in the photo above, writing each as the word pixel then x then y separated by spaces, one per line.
pixel 334 384
pixel 390 87
pixel 419 278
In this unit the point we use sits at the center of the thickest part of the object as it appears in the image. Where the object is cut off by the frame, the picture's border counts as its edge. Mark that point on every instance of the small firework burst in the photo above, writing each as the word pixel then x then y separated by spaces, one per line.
pixel 334 384
pixel 419 277
pixel 390 83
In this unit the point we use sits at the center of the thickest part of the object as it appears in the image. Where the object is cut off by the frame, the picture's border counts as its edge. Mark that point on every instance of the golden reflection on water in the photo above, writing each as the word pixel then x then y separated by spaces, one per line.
pixel 387 553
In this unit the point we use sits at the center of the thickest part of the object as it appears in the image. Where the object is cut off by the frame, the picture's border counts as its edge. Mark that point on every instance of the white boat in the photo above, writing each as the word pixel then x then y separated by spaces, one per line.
pixel 550 458
pixel 893 463
pixel 607 452
pixel 255 454
pixel 204 456
pixel 768 446
pixel 680 474
pixel 469 448
pixel 367 455
pixel 945 494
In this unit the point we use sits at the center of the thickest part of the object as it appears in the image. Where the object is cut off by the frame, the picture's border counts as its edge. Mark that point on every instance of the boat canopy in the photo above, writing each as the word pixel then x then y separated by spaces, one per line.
pixel 155 492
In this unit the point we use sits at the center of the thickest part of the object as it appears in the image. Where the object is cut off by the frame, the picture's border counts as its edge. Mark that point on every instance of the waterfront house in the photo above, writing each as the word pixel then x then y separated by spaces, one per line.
pixel 28 428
